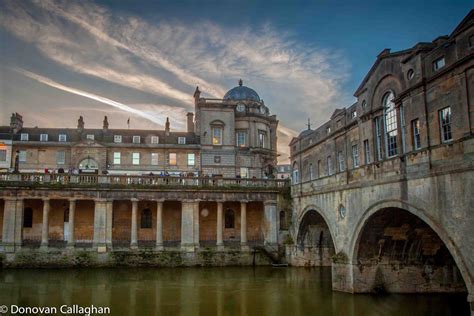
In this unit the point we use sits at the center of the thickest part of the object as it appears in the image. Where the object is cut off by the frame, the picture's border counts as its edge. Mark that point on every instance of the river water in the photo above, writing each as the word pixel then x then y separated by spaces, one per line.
pixel 210 291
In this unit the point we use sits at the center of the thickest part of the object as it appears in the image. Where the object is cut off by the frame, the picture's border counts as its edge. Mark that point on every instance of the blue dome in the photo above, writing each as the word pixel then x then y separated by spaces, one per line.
pixel 242 93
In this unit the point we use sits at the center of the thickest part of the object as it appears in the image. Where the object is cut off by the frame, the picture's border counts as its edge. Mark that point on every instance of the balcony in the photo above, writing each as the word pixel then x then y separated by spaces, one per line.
pixel 139 182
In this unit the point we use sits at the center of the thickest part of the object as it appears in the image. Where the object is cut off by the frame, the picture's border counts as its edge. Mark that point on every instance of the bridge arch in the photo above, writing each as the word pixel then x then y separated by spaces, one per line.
pixel 403 221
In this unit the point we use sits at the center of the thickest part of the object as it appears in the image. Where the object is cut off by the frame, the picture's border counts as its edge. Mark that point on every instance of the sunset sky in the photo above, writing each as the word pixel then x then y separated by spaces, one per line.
pixel 143 59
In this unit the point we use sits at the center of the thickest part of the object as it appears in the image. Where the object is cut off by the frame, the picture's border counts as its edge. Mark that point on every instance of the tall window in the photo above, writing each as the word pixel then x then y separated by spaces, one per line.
pixel 241 138
pixel 403 127
pixel 319 169
pixel 136 139
pixel 355 156
pixel 296 174
pixel 262 139
pixel 154 159
pixel 244 172
pixel 117 158
pixel 135 158
pixel 438 64
pixel 172 159
pixel 415 129
pixel 28 217
pixel 60 157
pixel 311 172
pixel 62 137
pixel 378 137
pixel 146 218
pixel 24 136
pixel 366 152
pixel 390 124
pixel 43 137
pixel 445 124
pixel 191 159
pixel 340 159
pixel 3 155
pixel 217 135
pixel 22 156
pixel 117 138
pixel 329 165
pixel 229 218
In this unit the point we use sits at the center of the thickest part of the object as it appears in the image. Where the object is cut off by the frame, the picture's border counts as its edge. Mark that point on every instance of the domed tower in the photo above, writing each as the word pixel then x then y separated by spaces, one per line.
pixel 237 134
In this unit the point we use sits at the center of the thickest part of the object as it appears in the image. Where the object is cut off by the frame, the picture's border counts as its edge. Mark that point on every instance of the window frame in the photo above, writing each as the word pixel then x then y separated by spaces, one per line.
pixel 154 159
pixel 438 61
pixel 117 156
pixel 175 159
pixel 136 158
pixel 146 218
pixel 355 156
pixel 193 155
pixel 448 124
pixel 43 137
pixel 390 119
pixel 262 139
pixel 136 139
pixel 341 161
pixel 153 138
pixel 217 140
pixel 237 142
pixel 62 138
pixel 366 152
pixel 24 137
pixel 181 140
pixel 58 154
pixel 90 137
pixel 415 132
pixel 117 139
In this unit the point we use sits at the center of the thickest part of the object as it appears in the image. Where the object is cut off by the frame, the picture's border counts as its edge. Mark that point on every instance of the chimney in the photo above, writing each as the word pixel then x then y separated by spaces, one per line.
pixel 190 116
pixel 105 126
pixel 80 123
pixel 167 127
pixel 16 122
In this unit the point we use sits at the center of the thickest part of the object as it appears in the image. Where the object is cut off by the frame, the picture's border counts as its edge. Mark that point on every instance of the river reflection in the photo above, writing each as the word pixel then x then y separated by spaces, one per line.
pixel 211 291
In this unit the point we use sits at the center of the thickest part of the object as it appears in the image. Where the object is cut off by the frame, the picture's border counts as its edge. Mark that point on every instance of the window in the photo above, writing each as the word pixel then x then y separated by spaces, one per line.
pixel 329 165
pixel 415 130
pixel 229 218
pixel 155 140
pixel 241 139
pixel 182 140
pixel 296 174
pixel 364 104
pixel 217 159
pixel 154 159
pixel 60 157
pixel 445 124
pixel 43 137
pixel 355 156
pixel 172 159
pixel 217 135
pixel 410 74
pixel 62 137
pixel 146 218
pixel 438 64
pixel 366 152
pixel 136 139
pixel 354 114
pixel 135 158
pixel 319 169
pixel 340 159
pixel 22 156
pixel 328 130
pixel 311 172
pixel 117 138
pixel 244 172
pixel 117 158
pixel 24 137
pixel 378 137
pixel 28 217
pixel 90 136
pixel 3 155
pixel 403 127
pixel 262 139
pixel 390 124
pixel 191 159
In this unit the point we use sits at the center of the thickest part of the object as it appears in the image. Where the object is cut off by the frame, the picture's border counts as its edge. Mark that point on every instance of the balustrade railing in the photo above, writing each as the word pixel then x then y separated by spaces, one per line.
pixel 133 180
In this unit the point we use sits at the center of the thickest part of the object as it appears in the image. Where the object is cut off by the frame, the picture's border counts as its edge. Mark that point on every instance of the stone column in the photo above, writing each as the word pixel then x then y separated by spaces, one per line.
pixel 159 225
pixel 134 234
pixel 9 221
pixel 243 226
pixel 99 224
pixel 270 231
pixel 45 226
pixel 109 217
pixel 196 223
pixel 187 226
pixel 72 211
pixel 20 206
pixel 220 210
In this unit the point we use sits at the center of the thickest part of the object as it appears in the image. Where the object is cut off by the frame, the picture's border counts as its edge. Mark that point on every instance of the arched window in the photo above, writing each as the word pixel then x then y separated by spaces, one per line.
pixel 390 120
pixel 229 219
pixel 282 220
pixel 146 218
pixel 28 217
pixel 311 172
pixel 296 175
pixel 88 164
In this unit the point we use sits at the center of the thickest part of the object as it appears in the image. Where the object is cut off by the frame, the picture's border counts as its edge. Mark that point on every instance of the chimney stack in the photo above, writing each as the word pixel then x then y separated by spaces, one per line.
pixel 167 127
pixel 190 116
pixel 80 123
pixel 16 122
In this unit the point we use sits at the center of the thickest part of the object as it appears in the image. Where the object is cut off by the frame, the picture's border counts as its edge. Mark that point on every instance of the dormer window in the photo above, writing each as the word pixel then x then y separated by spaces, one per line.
pixel 182 140
pixel 24 137
pixel 328 130
pixel 117 138
pixel 90 136
pixel 438 64
pixel 62 137
pixel 354 114
pixel 44 137
pixel 154 140
pixel 136 139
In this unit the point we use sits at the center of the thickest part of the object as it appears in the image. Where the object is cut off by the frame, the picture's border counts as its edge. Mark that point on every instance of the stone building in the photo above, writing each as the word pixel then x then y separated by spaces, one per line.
pixel 106 190
pixel 383 191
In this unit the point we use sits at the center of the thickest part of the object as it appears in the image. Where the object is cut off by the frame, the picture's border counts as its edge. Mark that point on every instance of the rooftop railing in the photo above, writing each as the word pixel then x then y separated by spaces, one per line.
pixel 148 181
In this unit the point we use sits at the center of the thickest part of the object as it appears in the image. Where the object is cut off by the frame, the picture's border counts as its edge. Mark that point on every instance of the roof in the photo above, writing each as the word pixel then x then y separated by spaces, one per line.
pixel 242 92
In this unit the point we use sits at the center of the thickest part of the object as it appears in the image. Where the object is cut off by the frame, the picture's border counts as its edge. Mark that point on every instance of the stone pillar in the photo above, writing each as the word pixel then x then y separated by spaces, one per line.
pixel 109 217
pixel 99 224
pixel 45 226
pixel 134 234
pixel 243 226
pixel 196 223
pixel 159 225
pixel 72 211
pixel 270 231
pixel 342 275
pixel 220 211
pixel 187 226
pixel 9 224
pixel 20 206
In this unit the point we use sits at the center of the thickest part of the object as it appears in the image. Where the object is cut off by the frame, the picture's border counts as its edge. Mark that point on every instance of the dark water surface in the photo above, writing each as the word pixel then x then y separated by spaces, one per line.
pixel 211 291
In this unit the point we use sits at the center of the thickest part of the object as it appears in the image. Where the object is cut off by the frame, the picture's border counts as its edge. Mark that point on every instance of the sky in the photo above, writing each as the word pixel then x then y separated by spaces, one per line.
pixel 143 59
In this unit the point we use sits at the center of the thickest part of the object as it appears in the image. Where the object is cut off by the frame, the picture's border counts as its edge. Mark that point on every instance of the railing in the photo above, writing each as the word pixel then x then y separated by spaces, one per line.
pixel 137 181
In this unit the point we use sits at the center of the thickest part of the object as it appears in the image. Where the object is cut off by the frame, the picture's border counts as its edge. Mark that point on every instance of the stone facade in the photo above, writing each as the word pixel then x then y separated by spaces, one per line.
pixel 391 176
